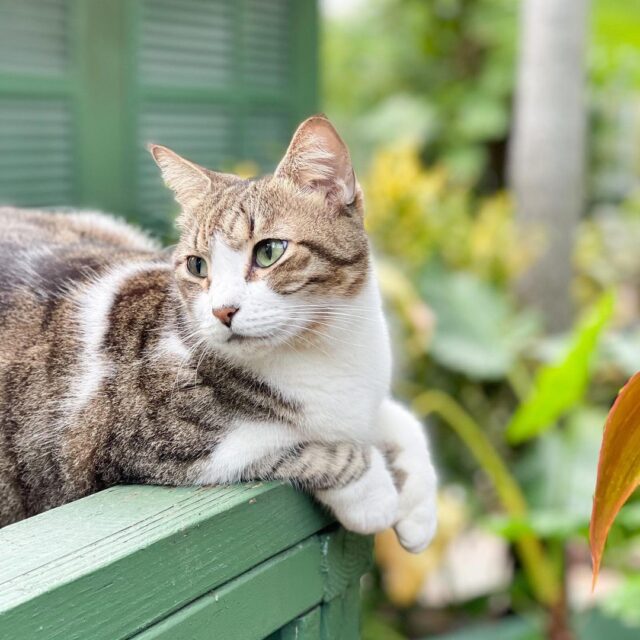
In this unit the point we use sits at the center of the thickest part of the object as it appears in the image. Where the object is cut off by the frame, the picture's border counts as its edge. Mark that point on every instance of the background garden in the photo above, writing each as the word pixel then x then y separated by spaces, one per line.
pixel 513 280
pixel 498 144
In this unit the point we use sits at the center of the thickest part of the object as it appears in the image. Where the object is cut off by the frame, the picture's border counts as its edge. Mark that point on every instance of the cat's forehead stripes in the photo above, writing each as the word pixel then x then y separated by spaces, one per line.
pixel 224 212
pixel 327 255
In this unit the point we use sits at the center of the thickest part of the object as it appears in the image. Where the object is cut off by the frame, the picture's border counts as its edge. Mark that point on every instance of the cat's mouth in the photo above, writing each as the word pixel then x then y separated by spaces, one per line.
pixel 239 337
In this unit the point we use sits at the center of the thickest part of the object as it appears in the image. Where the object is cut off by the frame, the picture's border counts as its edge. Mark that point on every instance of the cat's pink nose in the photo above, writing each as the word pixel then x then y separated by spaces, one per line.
pixel 225 314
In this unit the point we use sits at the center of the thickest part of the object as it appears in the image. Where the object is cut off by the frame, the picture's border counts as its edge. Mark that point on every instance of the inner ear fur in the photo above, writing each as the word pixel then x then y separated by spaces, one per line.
pixel 318 160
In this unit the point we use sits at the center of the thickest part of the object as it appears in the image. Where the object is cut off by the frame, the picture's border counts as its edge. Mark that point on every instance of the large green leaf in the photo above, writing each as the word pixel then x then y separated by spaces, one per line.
pixel 477 331
pixel 557 474
pixel 548 525
pixel 561 385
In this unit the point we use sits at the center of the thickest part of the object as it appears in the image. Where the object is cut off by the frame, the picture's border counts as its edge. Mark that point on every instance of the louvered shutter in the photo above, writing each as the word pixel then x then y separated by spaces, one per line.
pixel 36 103
pixel 85 84
pixel 216 83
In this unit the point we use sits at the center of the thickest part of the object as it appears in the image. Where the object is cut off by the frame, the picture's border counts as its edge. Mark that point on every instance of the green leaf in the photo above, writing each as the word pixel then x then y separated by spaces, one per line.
pixel 558 471
pixel 560 386
pixel 477 331
pixel 557 474
pixel 547 525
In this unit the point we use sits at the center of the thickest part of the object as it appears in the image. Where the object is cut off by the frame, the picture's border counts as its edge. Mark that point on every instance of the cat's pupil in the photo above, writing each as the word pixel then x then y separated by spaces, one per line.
pixel 199 265
pixel 268 249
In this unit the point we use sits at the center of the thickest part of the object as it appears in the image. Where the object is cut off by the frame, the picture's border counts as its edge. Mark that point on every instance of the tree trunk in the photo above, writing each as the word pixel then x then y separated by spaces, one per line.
pixel 547 155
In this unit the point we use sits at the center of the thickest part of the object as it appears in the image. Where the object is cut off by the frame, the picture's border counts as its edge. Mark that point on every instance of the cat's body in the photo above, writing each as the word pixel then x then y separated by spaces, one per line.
pixel 114 369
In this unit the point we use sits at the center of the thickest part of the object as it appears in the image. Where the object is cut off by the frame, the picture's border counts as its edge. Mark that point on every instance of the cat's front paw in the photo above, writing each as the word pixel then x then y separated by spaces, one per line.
pixel 405 445
pixel 367 505
pixel 417 513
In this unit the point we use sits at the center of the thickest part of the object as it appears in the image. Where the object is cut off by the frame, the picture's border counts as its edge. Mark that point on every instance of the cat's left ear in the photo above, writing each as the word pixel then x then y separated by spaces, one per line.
pixel 318 160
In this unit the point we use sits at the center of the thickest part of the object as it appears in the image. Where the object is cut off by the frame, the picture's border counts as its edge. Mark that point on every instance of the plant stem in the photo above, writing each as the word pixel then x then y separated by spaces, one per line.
pixel 539 569
pixel 520 380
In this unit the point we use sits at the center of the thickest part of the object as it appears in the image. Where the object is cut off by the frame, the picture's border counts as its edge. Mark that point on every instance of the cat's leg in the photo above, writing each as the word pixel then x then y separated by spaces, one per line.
pixel 401 436
pixel 351 479
pixel 368 503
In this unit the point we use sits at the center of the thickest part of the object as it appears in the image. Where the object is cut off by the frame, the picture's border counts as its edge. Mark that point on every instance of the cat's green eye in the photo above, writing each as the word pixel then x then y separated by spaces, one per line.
pixel 197 266
pixel 268 252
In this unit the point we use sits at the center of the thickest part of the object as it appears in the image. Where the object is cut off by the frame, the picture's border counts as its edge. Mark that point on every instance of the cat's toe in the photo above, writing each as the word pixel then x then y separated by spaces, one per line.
pixel 372 513
pixel 367 505
pixel 416 530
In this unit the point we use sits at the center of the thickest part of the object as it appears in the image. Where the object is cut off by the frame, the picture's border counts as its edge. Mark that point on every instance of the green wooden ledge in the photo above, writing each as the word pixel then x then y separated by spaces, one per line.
pixel 241 562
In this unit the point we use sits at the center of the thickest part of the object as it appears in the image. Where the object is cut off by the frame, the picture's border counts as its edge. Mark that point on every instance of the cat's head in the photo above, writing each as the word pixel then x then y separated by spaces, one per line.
pixel 274 261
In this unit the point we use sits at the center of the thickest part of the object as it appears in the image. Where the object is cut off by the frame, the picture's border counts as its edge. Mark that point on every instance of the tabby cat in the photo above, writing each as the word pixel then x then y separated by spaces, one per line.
pixel 256 350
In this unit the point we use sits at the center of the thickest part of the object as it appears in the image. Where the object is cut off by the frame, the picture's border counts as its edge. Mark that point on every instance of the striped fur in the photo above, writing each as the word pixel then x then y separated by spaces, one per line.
pixel 114 369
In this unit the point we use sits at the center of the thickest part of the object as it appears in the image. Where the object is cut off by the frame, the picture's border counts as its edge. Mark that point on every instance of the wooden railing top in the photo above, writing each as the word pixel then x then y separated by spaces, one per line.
pixel 157 562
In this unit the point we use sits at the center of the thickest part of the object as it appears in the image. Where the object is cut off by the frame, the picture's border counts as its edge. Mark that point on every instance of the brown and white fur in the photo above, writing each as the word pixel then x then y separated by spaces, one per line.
pixel 118 365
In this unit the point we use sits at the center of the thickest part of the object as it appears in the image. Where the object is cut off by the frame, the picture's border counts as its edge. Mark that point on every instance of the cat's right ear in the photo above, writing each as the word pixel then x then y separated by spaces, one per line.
pixel 188 180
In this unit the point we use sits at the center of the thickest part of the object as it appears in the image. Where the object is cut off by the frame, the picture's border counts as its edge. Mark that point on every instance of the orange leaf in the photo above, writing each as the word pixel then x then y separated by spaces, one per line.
pixel 618 467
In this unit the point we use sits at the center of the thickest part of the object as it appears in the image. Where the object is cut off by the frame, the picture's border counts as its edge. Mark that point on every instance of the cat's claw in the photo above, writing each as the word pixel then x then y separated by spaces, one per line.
pixel 368 505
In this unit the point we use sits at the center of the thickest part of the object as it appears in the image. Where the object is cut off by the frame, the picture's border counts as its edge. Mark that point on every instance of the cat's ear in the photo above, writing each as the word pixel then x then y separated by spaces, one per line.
pixel 188 181
pixel 318 160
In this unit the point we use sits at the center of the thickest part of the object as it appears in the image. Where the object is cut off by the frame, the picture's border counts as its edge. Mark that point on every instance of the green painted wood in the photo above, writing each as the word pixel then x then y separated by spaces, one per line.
pixel 34 85
pixel 111 564
pixel 103 53
pixel 253 604
pixel 305 627
pixel 346 556
pixel 340 617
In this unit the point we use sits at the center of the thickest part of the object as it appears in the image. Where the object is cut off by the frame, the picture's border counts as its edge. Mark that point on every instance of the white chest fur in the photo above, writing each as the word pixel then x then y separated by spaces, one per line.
pixel 341 383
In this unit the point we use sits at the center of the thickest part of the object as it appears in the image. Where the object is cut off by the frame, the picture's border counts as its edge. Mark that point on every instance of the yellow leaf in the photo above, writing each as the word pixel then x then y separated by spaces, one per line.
pixel 618 467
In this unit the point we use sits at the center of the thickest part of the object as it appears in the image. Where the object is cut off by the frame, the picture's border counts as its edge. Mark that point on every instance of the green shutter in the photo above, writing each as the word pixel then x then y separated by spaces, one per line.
pixel 36 103
pixel 202 132
pixel 34 37
pixel 86 84
pixel 267 36
pixel 216 82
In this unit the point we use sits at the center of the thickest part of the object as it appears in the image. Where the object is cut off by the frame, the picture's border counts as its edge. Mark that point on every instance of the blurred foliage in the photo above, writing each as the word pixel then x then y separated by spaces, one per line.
pixel 403 573
pixel 477 333
pixel 624 602
pixel 445 83
pixel 606 251
pixel 449 262
pixel 423 93
pixel 421 217
pixel 615 43
pixel 560 386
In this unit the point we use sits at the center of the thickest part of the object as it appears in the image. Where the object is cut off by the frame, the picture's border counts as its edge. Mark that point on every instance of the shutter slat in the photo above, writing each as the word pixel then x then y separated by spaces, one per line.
pixel 202 133
pixel 37 167
pixel 268 138
pixel 34 36
pixel 267 43
pixel 187 44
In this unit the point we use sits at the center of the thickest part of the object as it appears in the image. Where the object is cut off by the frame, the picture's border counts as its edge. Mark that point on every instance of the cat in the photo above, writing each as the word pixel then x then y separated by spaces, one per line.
pixel 256 350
